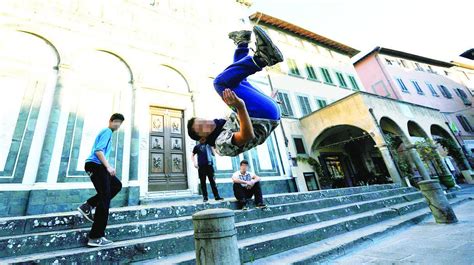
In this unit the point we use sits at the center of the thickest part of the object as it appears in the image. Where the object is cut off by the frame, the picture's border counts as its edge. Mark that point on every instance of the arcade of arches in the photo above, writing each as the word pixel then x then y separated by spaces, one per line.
pixel 359 140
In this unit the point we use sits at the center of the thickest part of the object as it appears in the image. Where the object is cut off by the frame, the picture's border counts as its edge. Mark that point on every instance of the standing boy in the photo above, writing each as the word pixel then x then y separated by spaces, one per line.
pixel 105 182
pixel 205 168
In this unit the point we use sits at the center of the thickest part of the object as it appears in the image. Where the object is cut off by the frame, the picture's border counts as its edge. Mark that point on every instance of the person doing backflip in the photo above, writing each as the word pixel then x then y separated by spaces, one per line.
pixel 255 114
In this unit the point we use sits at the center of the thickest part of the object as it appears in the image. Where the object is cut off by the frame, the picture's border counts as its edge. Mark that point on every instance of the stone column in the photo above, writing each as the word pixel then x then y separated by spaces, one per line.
pixel 468 174
pixel 437 201
pixel 390 164
pixel 52 127
pixel 215 237
pixel 134 189
pixel 418 162
pixel 135 141
pixel 444 168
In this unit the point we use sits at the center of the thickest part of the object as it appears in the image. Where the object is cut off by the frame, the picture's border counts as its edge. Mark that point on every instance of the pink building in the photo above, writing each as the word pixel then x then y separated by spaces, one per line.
pixel 424 81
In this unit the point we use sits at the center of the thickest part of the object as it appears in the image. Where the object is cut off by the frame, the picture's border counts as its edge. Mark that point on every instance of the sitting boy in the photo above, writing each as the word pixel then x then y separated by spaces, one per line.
pixel 257 114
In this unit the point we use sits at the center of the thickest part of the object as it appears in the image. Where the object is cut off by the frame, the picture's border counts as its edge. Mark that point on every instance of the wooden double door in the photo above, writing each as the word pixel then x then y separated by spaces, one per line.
pixel 167 165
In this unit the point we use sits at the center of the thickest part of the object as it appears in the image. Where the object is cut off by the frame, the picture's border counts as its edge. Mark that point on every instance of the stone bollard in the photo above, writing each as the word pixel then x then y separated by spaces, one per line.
pixel 215 237
pixel 439 204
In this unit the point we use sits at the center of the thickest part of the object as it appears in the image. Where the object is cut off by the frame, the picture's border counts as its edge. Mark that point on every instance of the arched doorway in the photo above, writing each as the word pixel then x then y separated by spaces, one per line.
pixel 448 147
pixel 349 157
pixel 397 142
pixel 425 149
pixel 167 157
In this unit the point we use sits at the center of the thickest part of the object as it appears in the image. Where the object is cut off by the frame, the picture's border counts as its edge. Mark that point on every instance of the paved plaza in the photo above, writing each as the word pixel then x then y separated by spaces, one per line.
pixel 425 243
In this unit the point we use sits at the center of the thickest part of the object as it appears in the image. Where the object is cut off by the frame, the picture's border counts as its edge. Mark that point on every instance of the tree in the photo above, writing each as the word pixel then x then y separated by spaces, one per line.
pixel 324 181
pixel 453 150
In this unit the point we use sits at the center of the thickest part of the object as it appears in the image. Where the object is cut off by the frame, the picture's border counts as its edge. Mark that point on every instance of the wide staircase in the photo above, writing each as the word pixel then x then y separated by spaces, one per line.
pixel 295 228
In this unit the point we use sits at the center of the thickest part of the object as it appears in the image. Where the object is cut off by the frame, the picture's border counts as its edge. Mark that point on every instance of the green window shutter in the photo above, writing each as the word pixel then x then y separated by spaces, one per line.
pixel 285 104
pixel 326 75
pixel 310 72
pixel 304 105
pixel 354 83
pixel 321 103
pixel 342 81
pixel 293 67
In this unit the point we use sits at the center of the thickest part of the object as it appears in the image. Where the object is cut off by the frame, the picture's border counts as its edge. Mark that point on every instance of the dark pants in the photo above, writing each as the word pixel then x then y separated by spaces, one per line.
pixel 234 77
pixel 208 171
pixel 242 194
pixel 107 187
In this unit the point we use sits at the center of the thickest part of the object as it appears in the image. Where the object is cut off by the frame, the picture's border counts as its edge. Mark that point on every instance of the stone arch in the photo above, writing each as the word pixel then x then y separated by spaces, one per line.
pixel 96 78
pixel 28 64
pixel 330 130
pixel 123 61
pixel 188 88
pixel 415 130
pixel 28 49
pixel 438 131
pixel 165 77
pixel 389 126
pixel 50 44
pixel 351 151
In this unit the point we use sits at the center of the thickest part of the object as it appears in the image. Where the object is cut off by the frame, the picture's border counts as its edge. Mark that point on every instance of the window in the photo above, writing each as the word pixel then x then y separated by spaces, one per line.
pixel 430 69
pixel 354 82
pixel 321 103
pixel 417 87
pixel 299 145
pixel 463 96
pixel 342 81
pixel 445 92
pixel 460 93
pixel 402 85
pixel 418 67
pixel 310 179
pixel 304 105
pixel 310 72
pixel 286 109
pixel 293 68
pixel 431 88
pixel 326 76
pixel 464 123
pixel 330 53
pixel 403 63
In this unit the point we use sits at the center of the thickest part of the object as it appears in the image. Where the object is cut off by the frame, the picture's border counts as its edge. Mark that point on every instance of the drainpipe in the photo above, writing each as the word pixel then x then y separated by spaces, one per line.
pixel 284 137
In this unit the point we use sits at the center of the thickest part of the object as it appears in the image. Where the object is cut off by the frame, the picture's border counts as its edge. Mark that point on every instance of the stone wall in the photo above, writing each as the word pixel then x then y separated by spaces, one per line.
pixel 31 202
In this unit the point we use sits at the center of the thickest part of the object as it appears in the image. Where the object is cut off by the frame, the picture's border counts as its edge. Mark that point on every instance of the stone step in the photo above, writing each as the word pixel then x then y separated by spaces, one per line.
pixel 328 232
pixel 72 220
pixel 159 244
pixel 273 218
pixel 55 240
pixel 275 246
pixel 336 246
pixel 273 243
pixel 156 198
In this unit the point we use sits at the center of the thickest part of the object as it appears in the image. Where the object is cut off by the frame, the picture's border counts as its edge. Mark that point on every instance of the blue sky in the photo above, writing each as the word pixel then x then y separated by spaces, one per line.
pixel 437 29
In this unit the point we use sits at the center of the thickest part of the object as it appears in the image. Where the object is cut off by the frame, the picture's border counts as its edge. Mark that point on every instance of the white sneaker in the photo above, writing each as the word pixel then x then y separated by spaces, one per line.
pixel 99 242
